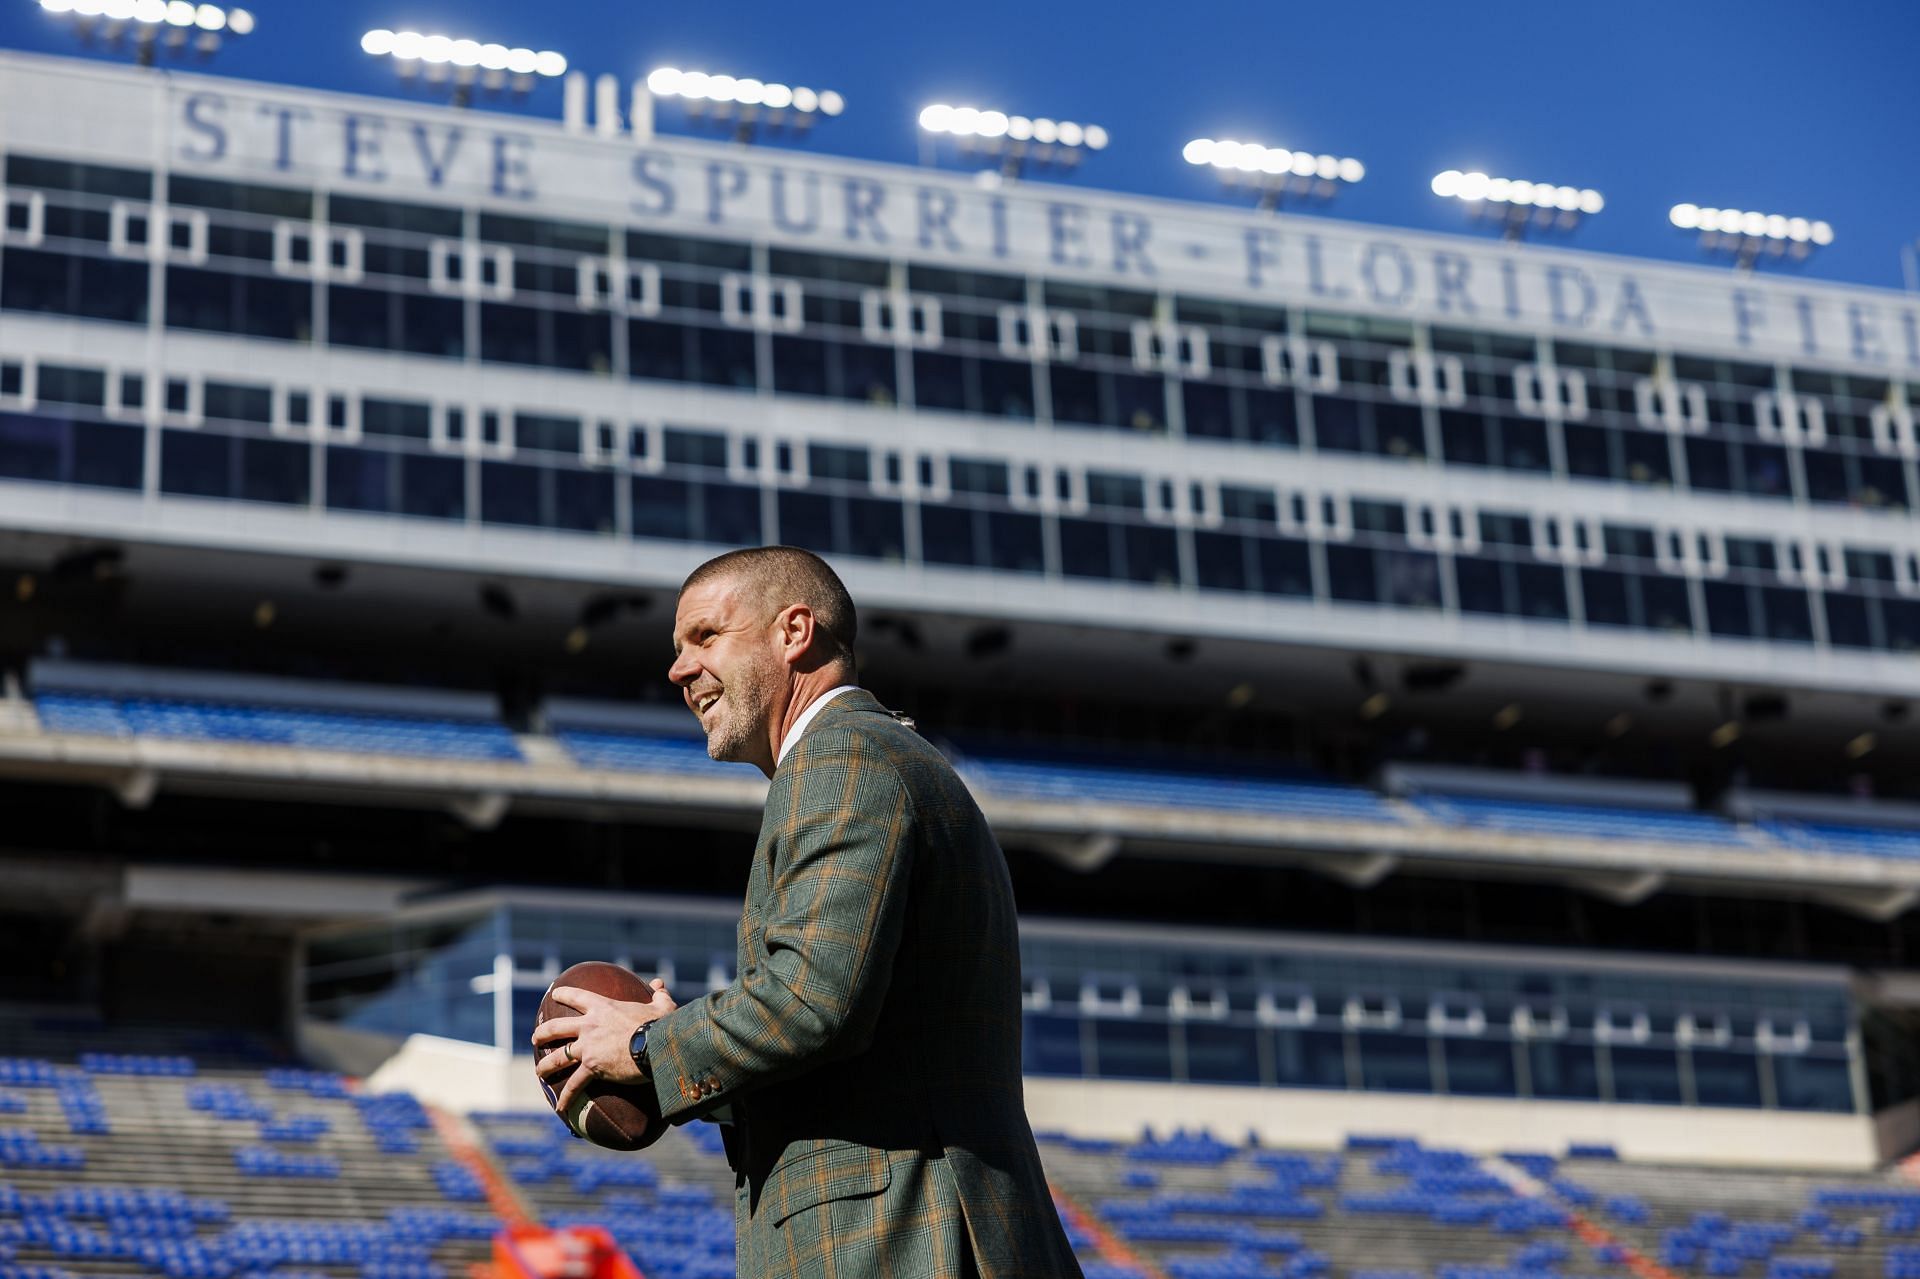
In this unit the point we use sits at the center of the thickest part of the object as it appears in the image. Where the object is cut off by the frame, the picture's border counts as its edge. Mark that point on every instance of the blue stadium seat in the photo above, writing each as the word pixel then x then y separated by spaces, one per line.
pixel 1071 778
pixel 312 729
pixel 1835 837
pixel 645 753
pixel 1582 821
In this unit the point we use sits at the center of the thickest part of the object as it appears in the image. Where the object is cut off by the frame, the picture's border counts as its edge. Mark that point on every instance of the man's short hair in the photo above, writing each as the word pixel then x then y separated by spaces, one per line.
pixel 779 576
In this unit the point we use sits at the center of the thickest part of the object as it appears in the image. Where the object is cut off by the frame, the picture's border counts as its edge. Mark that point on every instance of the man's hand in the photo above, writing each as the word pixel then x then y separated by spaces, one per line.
pixel 600 1036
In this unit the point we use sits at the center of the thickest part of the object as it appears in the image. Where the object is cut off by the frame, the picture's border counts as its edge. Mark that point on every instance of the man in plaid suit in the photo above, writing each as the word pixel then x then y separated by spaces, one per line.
pixel 868 1052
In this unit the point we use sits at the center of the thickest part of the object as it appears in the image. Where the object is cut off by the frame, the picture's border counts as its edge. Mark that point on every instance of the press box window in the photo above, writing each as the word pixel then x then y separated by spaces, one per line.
pixel 133 391
pixel 20 219
pixel 1505 530
pixel 13 379
pixel 1389 518
pixel 975 475
pixel 60 384
pixel 396 419
pixel 682 447
pixel 1117 492
pixel 545 433
pixel 833 462
pixel 226 401
pixel 179 395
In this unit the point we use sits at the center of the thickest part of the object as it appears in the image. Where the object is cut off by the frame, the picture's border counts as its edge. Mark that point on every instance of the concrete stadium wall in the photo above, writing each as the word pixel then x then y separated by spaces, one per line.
pixel 1305 1118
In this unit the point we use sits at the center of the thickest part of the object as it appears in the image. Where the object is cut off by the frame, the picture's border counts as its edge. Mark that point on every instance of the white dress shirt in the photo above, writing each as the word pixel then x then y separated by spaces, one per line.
pixel 806 718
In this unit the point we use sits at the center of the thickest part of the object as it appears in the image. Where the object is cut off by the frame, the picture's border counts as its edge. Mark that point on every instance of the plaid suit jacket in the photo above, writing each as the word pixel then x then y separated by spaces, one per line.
pixel 869 1046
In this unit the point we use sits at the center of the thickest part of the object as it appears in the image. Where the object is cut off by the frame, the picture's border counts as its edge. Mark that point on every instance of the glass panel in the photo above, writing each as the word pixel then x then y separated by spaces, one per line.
pixel 1308 1058
pixel 1050 1045
pixel 1479 1067
pixel 1221 1054
pixel 1645 1074
pixel 1132 1049
pixel 1725 1078
pixel 1568 1071
pixel 1394 1062
pixel 1813 1083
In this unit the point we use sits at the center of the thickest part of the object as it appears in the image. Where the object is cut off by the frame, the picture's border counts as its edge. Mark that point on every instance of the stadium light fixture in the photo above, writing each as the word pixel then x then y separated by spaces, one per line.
pixel 1747 237
pixel 1516 206
pixel 1014 142
pixel 149 26
pixel 740 105
pixel 1274 174
pixel 439 61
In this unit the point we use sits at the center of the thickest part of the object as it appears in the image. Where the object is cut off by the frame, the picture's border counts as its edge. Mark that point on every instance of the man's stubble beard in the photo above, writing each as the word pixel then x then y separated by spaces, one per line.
pixel 744 709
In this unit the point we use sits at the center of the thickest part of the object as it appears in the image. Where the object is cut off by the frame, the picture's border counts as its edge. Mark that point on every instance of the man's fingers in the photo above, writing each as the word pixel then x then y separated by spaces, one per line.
pixel 553 1061
pixel 574 1084
pixel 558 1028
pixel 574 997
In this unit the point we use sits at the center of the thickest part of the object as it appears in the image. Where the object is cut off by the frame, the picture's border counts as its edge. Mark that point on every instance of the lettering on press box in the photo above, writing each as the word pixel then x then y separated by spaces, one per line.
pixel 807 200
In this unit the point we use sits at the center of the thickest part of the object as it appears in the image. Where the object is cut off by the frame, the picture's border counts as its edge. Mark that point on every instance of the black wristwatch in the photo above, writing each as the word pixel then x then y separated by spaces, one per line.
pixel 637 1049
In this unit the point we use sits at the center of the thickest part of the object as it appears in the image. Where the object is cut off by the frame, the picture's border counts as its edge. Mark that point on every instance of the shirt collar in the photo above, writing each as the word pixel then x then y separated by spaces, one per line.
pixel 806 717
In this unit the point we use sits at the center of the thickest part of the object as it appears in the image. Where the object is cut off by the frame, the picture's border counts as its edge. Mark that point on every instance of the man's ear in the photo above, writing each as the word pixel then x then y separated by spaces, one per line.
pixel 795 626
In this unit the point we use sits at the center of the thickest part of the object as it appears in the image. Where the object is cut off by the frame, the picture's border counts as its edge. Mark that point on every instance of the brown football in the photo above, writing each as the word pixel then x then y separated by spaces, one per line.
pixel 617 1116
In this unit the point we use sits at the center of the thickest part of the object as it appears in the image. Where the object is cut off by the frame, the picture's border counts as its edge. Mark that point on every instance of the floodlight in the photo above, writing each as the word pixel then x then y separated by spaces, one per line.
pixel 462 65
pixel 1748 236
pixel 148 26
pixel 1517 206
pixel 1017 142
pixel 1274 174
pixel 739 104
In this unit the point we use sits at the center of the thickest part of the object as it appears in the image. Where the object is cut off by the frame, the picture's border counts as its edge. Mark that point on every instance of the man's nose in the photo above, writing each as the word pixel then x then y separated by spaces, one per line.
pixel 683 670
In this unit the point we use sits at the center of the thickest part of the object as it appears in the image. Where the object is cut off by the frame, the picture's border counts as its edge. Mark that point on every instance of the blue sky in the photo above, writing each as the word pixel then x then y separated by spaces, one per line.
pixel 1785 108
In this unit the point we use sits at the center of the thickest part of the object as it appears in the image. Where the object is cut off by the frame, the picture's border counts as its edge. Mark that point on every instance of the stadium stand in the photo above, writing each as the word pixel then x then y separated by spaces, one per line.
pixel 305 716
pixel 1583 821
pixel 98 715
pixel 205 1167
pixel 1873 841
pixel 1063 777
pixel 213 1166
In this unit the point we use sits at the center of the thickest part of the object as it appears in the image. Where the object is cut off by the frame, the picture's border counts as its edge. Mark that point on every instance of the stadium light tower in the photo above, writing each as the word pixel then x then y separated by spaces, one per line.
pixel 1748 237
pixel 464 66
pixel 1014 143
pixel 1516 207
pixel 149 26
pixel 739 105
pixel 1274 175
